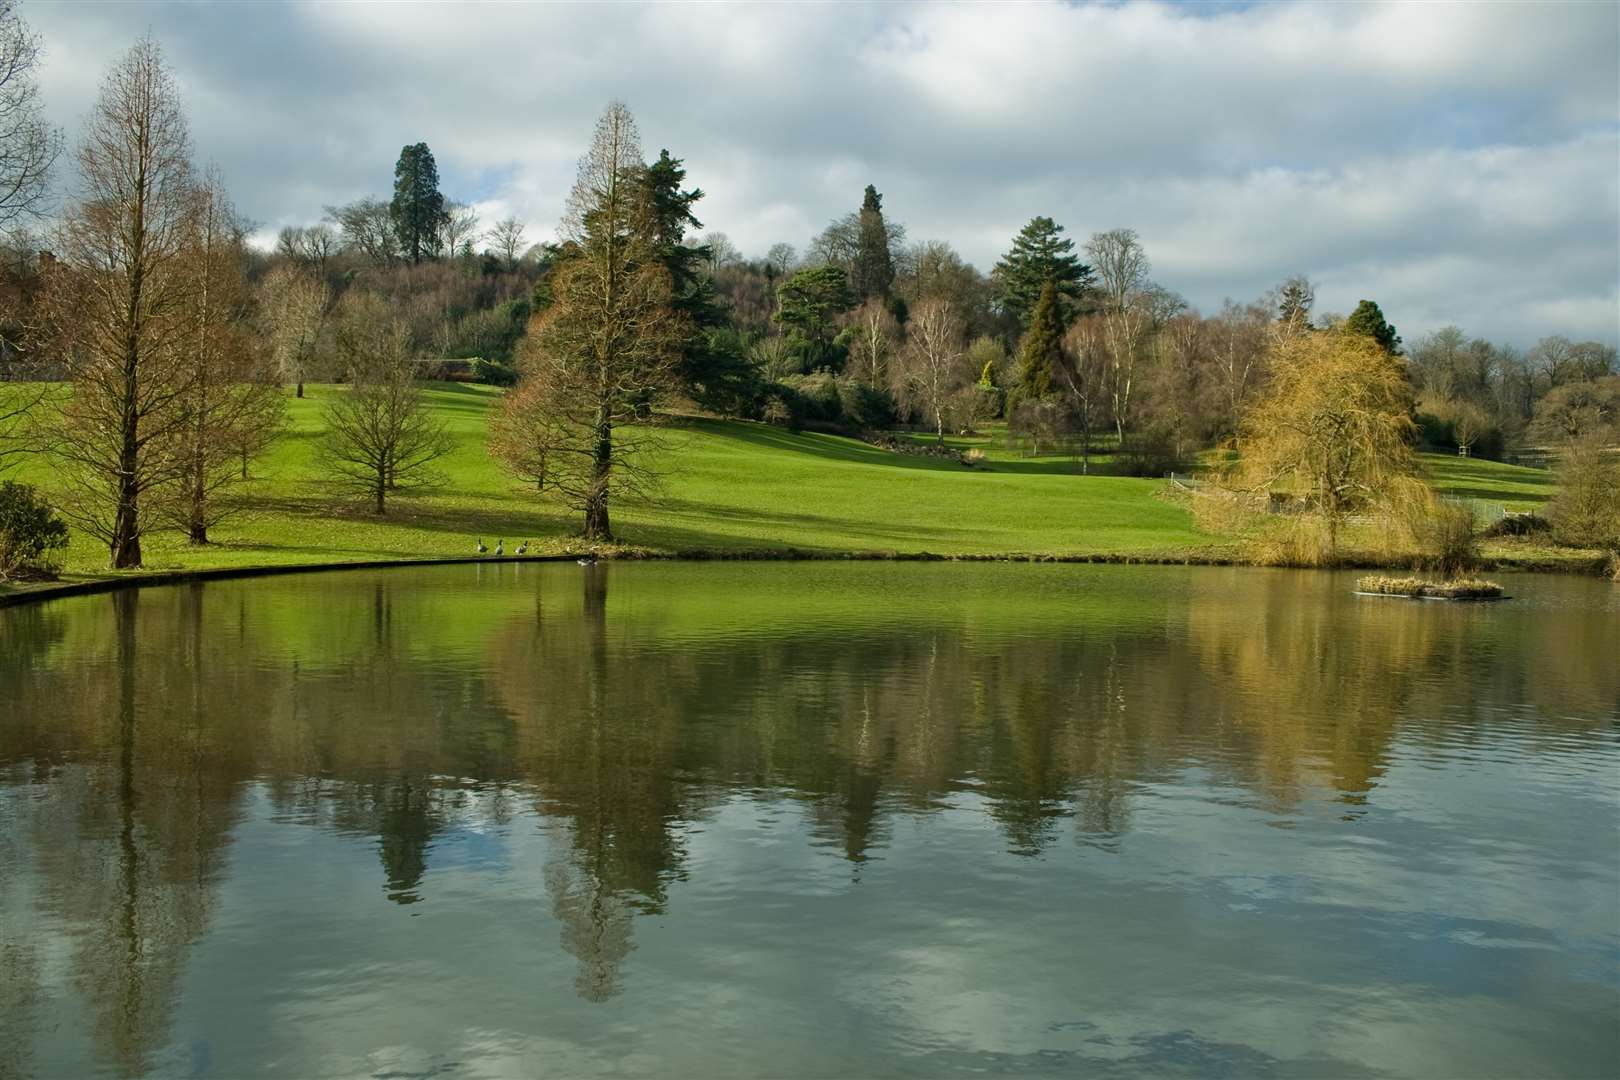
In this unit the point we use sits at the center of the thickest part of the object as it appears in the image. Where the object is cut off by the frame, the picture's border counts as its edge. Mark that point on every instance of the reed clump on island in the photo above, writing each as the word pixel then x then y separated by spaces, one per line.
pixel 1418 588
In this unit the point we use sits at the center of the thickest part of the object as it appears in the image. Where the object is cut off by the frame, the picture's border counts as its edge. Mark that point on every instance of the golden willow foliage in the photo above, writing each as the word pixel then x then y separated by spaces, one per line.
pixel 1334 429
pixel 597 358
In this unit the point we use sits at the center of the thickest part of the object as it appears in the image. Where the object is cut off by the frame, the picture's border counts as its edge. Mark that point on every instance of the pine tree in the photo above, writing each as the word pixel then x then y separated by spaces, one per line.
pixel 1040 255
pixel 874 270
pixel 418 211
pixel 1368 320
pixel 1041 353
pixel 1294 301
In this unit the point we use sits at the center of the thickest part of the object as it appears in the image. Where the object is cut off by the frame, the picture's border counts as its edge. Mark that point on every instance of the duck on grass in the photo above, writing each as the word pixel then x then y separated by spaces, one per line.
pixel 1418 589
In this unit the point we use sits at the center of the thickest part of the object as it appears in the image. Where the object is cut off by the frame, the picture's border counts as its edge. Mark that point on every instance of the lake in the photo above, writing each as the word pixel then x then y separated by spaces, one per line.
pixel 810 819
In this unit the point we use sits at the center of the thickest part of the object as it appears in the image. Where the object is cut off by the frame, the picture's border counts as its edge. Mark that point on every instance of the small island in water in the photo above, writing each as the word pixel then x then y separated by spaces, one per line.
pixel 1417 589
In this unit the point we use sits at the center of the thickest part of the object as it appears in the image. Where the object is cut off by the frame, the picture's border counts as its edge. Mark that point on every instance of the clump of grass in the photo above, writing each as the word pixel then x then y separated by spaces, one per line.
pixel 1459 589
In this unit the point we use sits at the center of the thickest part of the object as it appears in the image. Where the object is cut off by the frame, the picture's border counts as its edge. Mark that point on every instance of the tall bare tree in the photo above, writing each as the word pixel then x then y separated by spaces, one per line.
pixel 506 240
pixel 229 409
pixel 368 229
pixel 458 229
pixel 28 145
pixel 872 347
pixel 1121 266
pixel 292 306
pixel 380 434
pixel 931 367
pixel 120 303
pixel 606 347
pixel 1083 378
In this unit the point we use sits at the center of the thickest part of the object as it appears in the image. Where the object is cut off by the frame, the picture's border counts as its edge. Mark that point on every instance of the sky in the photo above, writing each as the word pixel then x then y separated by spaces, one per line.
pixel 1457 163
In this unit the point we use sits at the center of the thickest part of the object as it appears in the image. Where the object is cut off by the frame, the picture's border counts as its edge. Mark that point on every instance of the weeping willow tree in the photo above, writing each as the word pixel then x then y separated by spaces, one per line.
pixel 594 361
pixel 1334 428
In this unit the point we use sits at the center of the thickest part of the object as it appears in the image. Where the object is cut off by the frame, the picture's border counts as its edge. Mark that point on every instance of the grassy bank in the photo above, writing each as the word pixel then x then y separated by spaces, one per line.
pixel 734 488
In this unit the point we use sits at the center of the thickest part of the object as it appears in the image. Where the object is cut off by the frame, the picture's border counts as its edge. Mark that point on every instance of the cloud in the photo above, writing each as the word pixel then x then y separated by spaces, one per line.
pixel 1455 162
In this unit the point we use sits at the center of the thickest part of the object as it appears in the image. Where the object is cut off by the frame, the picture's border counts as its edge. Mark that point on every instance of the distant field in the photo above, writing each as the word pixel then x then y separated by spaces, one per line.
pixel 732 486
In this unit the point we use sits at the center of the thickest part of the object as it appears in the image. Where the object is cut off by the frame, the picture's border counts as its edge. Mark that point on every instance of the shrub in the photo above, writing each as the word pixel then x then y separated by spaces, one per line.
pixel 30 531
pixel 1586 511
pixel 1438 534
pixel 493 372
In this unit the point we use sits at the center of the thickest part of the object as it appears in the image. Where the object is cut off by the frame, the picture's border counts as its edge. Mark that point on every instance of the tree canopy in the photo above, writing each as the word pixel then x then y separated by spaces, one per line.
pixel 1040 255
pixel 418 211
pixel 1368 320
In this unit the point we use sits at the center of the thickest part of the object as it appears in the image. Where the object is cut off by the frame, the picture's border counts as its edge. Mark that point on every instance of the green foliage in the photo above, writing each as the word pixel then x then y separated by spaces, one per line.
pixel 30 531
pixel 1586 510
pixel 808 301
pixel 1042 349
pixel 418 209
pixel 1040 256
pixel 1368 321
pixel 830 402
pixel 493 372
pixel 874 269
pixel 708 365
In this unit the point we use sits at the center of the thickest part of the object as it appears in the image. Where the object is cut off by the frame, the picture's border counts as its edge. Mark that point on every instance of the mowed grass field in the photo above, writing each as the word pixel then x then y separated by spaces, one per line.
pixel 729 487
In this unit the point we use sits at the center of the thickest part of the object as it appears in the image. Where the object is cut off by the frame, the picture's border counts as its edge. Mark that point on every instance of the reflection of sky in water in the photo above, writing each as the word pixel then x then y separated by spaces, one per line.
pixel 1195 909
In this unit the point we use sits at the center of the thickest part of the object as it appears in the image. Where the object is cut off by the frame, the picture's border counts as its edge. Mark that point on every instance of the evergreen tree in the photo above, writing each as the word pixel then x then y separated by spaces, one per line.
pixel 1042 349
pixel 874 269
pixel 807 303
pixel 1041 256
pixel 1294 301
pixel 1369 321
pixel 418 211
pixel 710 367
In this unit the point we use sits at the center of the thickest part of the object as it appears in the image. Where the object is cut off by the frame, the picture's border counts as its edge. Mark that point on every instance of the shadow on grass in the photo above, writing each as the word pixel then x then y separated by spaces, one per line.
pixel 794 526
pixel 829 447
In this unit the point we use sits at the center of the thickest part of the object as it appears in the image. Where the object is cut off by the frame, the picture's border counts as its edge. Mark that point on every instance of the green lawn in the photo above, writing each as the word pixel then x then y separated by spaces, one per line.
pixel 731 486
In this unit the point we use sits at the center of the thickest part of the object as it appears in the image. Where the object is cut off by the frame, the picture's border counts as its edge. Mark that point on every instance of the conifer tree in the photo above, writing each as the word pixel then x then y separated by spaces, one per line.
pixel 874 269
pixel 1042 349
pixel 1041 255
pixel 1368 320
pixel 418 212
pixel 1294 301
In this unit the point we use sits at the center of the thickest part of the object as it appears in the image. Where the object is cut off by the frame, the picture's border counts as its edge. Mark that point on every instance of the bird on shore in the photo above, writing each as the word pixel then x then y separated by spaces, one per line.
pixel 500 548
pixel 481 547
pixel 523 548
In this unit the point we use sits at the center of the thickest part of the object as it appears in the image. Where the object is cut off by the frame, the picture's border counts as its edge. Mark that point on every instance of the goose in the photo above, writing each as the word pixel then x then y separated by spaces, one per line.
pixel 523 548
pixel 589 560
pixel 481 547
pixel 500 548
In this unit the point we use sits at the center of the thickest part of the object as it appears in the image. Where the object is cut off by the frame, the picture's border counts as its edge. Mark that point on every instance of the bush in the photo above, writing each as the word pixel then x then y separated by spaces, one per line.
pixel 1443 535
pixel 29 532
pixel 1586 512
pixel 493 372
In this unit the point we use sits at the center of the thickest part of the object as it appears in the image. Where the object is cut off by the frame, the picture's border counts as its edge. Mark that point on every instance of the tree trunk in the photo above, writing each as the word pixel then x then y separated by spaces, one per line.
pixel 198 531
pixel 126 537
pixel 382 493
pixel 596 499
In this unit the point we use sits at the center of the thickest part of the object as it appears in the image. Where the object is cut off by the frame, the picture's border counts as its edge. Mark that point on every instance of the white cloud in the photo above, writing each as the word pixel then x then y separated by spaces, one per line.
pixel 1455 162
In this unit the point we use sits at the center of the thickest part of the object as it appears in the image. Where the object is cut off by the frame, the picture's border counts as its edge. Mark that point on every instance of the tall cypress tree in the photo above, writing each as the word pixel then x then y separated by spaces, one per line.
pixel 1040 256
pixel 1042 349
pixel 417 211
pixel 874 270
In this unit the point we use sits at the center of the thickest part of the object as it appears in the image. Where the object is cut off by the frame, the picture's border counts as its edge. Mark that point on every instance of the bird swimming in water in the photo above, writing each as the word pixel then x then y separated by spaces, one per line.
pixel 500 548
pixel 589 560
pixel 481 547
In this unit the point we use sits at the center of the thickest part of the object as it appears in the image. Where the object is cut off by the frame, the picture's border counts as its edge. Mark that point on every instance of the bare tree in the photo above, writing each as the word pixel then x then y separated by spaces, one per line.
pixel 119 303
pixel 368 229
pixel 293 305
pixel 606 346
pixel 1237 343
pixel 1121 266
pixel 931 363
pixel 312 246
pixel 722 252
pixel 780 259
pixel 506 240
pixel 1083 379
pixel 458 229
pixel 28 145
pixel 380 434
pixel 228 409
pixel 876 333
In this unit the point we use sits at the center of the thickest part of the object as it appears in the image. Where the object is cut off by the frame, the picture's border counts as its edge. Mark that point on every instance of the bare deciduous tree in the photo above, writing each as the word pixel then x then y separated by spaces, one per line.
pixel 876 332
pixel 931 363
pixel 28 145
pixel 459 229
pixel 506 240
pixel 310 246
pixel 381 435
pixel 1083 379
pixel 119 304
pixel 606 347
pixel 1121 266
pixel 228 409
pixel 293 305
pixel 368 229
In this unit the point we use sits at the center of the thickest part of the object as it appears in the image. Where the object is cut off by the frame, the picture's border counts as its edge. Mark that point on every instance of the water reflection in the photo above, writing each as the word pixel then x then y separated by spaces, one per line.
pixel 570 759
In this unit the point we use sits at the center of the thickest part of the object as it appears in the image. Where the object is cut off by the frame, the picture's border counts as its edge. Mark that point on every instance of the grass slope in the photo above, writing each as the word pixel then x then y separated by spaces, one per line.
pixel 733 486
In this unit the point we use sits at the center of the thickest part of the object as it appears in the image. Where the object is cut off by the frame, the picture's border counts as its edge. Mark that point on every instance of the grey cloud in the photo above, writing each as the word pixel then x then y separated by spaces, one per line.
pixel 1457 162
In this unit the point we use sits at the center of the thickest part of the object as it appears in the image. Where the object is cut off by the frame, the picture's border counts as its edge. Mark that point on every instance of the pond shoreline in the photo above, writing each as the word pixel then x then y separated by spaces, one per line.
pixel 138 579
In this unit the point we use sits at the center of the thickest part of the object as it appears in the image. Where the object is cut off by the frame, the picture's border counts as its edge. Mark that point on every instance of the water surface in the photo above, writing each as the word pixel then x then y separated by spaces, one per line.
pixel 810 820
